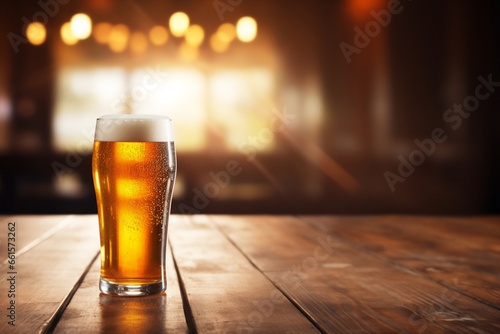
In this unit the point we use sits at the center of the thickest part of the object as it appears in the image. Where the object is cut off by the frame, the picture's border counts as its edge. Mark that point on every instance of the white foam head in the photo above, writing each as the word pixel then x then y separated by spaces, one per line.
pixel 134 128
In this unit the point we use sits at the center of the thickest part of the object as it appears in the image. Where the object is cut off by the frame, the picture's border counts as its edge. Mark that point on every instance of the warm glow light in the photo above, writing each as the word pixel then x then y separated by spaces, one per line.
pixel 67 35
pixel 158 35
pixel 179 23
pixel 130 152
pixel 188 52
pixel 81 26
pixel 102 31
pixel 195 35
pixel 134 252
pixel 217 44
pixel 85 92
pixel 227 32
pixel 360 9
pixel 36 33
pixel 138 43
pixel 118 38
pixel 246 29
pixel 131 188
pixel 180 93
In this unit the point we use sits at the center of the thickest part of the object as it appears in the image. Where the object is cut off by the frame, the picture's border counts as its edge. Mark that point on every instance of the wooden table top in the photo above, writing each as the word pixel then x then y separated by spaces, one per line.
pixel 262 274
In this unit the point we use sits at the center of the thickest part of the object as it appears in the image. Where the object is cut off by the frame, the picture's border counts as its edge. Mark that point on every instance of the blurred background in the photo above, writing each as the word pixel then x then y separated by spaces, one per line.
pixel 278 106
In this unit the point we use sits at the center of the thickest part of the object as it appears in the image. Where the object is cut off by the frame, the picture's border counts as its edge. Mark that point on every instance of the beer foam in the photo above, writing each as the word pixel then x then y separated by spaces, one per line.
pixel 134 128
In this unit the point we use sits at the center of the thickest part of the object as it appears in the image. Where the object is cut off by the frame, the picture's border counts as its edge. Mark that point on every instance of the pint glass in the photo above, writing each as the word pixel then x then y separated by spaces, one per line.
pixel 133 167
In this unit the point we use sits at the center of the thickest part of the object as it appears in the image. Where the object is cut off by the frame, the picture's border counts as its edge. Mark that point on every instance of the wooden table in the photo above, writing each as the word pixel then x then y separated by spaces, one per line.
pixel 264 274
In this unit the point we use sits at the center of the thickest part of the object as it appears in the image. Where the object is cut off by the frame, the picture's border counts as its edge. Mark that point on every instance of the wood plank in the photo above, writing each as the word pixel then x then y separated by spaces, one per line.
pixel 48 272
pixel 490 225
pixel 30 230
pixel 226 294
pixel 346 290
pixel 465 251
pixel 93 312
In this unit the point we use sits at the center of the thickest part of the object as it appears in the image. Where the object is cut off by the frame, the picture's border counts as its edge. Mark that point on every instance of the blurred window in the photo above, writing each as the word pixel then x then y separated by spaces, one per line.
pixel 235 104
pixel 177 93
pixel 241 103
pixel 82 96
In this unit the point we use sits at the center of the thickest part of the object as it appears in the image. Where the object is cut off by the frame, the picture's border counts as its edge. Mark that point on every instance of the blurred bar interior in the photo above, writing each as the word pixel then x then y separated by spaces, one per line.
pixel 278 106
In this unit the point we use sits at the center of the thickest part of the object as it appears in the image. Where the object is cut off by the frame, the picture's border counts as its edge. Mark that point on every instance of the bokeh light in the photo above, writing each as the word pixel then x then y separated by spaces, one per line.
pixel 81 26
pixel 101 32
pixel 118 38
pixel 217 44
pixel 188 52
pixel 67 35
pixel 227 32
pixel 36 33
pixel 195 35
pixel 158 35
pixel 138 43
pixel 179 23
pixel 246 29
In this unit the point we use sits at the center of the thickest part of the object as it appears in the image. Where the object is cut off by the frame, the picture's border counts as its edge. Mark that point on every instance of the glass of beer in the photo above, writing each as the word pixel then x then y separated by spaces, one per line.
pixel 133 167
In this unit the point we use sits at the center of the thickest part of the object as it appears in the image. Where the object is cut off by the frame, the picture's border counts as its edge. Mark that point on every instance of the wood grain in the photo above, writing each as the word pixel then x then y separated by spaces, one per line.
pixel 268 274
pixel 464 252
pixel 30 230
pixel 93 312
pixel 226 294
pixel 48 272
pixel 343 289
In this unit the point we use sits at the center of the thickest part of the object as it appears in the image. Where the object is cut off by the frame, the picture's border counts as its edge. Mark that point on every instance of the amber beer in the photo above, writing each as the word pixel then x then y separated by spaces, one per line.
pixel 134 166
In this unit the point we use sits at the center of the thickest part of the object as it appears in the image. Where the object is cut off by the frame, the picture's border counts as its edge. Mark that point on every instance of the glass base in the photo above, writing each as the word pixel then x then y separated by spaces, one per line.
pixel 131 290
